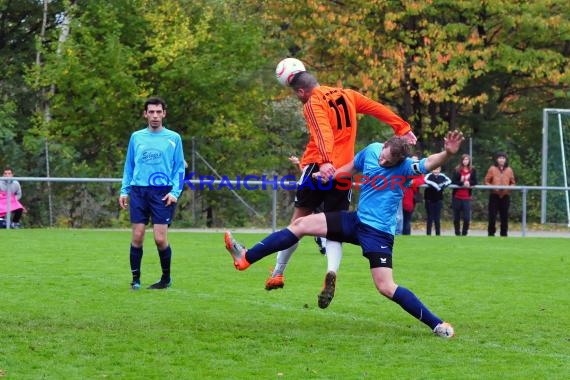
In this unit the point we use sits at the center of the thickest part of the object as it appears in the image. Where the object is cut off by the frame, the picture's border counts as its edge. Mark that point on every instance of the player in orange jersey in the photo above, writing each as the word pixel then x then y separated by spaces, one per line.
pixel 331 116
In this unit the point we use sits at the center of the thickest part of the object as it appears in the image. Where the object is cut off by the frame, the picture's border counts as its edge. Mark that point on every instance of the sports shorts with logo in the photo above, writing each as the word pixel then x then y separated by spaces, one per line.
pixel 345 226
pixel 146 202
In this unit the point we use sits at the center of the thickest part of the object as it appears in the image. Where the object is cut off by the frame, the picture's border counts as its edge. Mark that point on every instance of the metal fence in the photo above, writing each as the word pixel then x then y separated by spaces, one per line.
pixel 524 190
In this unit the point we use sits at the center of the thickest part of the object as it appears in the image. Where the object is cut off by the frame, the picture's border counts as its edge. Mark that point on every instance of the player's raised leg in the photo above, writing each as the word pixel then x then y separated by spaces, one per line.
pixel 312 225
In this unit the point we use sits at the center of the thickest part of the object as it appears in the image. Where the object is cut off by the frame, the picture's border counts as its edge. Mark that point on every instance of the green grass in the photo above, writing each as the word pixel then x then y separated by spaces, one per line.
pixel 67 312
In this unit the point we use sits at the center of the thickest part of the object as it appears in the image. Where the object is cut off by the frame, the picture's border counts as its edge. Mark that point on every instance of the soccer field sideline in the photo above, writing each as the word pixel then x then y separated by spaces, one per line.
pixel 415 232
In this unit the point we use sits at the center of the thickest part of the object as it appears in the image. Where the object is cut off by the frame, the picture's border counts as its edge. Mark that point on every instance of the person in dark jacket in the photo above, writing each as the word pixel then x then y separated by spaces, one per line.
pixel 436 182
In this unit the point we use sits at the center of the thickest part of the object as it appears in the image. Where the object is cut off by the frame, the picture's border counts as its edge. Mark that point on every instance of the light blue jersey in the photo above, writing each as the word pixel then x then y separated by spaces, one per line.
pixel 154 159
pixel 381 195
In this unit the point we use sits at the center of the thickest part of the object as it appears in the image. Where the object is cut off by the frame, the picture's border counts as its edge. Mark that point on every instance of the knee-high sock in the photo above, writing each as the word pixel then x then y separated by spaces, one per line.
pixel 409 302
pixel 334 255
pixel 283 258
pixel 136 255
pixel 165 258
pixel 277 241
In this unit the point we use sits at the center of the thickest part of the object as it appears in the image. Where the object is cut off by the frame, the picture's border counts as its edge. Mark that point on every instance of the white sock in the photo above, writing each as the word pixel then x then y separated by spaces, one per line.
pixel 334 255
pixel 283 258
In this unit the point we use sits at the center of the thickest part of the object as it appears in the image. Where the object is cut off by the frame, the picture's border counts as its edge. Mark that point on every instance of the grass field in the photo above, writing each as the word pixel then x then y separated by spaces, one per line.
pixel 67 312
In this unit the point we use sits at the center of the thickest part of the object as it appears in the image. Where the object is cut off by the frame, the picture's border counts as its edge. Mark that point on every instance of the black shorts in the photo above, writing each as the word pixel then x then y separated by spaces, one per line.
pixel 311 194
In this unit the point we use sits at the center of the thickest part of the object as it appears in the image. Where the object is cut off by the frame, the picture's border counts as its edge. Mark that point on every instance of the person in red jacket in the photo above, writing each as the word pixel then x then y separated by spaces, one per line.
pixel 411 197
pixel 464 177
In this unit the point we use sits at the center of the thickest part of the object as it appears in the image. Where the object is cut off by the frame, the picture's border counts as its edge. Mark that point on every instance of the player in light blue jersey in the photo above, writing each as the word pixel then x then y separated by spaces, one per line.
pixel 154 168
pixel 386 170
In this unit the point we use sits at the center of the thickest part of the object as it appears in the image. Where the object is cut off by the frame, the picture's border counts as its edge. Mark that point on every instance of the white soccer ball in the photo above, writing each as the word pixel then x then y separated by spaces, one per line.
pixel 286 70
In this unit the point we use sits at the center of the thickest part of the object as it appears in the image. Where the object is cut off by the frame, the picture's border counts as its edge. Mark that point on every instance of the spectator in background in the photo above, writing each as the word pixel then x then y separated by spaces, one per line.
pixel 16 208
pixel 465 177
pixel 411 198
pixel 436 182
pixel 499 199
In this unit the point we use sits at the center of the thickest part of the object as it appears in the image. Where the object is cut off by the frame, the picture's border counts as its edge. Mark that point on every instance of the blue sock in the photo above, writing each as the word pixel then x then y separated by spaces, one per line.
pixel 165 257
pixel 135 259
pixel 275 242
pixel 409 302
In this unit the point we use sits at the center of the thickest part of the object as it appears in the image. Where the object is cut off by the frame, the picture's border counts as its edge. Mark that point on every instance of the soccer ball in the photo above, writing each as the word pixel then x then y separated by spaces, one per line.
pixel 286 69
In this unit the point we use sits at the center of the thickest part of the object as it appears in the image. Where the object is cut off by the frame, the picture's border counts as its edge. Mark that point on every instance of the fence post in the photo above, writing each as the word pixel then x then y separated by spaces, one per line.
pixel 523 222
pixel 274 210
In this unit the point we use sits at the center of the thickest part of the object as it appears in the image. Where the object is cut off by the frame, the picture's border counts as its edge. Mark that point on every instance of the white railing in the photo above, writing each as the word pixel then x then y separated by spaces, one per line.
pixel 524 189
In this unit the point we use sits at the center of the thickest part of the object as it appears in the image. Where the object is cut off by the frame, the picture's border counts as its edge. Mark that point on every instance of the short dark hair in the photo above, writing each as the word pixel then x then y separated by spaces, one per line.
pixel 303 80
pixel 399 148
pixel 155 100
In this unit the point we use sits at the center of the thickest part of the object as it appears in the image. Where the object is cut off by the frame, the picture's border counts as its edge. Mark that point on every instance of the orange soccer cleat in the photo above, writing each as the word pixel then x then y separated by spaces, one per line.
pixel 275 282
pixel 237 251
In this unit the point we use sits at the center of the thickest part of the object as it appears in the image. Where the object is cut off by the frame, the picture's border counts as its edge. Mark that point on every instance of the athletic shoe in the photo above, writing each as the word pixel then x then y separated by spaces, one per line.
pixel 322 248
pixel 326 295
pixel 237 251
pixel 275 282
pixel 161 284
pixel 136 285
pixel 444 330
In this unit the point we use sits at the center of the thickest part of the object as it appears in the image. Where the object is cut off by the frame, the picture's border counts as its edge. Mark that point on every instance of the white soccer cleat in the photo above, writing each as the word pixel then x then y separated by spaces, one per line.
pixel 444 330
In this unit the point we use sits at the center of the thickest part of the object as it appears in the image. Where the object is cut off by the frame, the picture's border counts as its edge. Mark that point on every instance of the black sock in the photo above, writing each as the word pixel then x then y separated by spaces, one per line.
pixel 136 258
pixel 165 258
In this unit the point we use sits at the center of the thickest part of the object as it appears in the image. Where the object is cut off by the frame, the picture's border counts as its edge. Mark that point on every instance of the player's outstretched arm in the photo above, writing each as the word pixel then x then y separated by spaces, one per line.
pixel 452 143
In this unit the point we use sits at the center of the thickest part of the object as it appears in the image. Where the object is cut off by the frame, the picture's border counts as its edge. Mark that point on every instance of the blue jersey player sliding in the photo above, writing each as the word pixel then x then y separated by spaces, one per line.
pixel 154 166
pixel 372 226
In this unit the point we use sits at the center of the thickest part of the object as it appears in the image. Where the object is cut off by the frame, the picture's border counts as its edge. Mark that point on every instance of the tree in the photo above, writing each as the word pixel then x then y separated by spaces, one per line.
pixel 203 57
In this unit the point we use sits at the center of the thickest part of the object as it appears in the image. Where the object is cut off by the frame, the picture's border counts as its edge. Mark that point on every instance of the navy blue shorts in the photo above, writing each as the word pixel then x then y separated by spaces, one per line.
pixel 146 202
pixel 345 226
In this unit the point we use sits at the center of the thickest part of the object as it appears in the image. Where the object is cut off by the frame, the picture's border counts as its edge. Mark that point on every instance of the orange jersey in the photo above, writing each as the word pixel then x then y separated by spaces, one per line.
pixel 331 119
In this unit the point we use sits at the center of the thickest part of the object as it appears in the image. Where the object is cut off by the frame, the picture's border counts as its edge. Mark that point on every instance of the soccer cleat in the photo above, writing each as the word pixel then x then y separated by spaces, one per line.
pixel 135 285
pixel 275 282
pixel 327 293
pixel 237 251
pixel 444 330
pixel 161 284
